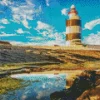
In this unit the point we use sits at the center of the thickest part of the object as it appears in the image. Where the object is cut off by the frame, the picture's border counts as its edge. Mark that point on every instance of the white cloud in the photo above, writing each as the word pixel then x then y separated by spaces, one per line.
pixel 4 21
pixel 20 31
pixel 59 39
pixel 93 39
pixel 41 25
pixel 43 43
pixel 42 94
pixel 25 23
pixel 1 12
pixel 19 43
pixel 3 34
pixel 35 38
pixel 2 27
pixel 47 3
pixel 90 25
pixel 49 32
pixel 53 42
pixel 24 43
pixel 5 2
pixel 64 11
pixel 44 29
pixel 24 12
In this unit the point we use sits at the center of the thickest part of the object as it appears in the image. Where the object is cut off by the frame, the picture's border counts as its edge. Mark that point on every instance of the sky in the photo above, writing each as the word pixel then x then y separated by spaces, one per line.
pixel 43 22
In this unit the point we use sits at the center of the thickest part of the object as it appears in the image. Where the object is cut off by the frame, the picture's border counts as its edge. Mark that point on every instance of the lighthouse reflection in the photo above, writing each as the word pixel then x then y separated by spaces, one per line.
pixel 40 87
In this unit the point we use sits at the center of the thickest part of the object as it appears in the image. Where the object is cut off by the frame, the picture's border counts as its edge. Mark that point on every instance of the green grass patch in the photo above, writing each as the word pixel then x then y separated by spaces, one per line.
pixel 64 66
pixel 9 84
pixel 6 67
pixel 93 65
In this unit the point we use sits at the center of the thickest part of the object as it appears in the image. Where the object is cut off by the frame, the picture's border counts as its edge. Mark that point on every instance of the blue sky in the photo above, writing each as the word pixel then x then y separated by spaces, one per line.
pixel 42 22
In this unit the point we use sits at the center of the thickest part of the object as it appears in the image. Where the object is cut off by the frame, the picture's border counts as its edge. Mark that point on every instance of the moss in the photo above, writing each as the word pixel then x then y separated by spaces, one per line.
pixel 6 67
pixel 92 65
pixel 9 84
pixel 64 66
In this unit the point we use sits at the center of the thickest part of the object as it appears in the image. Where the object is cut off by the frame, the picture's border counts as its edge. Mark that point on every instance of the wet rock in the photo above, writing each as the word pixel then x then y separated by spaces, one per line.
pixel 86 81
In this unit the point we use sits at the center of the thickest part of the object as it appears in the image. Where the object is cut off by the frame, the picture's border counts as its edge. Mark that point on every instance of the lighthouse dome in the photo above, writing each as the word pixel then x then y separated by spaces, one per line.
pixel 73 6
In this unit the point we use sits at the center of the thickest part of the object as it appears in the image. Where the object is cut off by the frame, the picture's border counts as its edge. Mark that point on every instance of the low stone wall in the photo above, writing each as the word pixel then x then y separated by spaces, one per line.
pixel 16 71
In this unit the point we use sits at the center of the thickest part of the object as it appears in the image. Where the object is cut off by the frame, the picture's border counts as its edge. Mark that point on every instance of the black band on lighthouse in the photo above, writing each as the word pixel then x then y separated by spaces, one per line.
pixel 73 22
pixel 72 36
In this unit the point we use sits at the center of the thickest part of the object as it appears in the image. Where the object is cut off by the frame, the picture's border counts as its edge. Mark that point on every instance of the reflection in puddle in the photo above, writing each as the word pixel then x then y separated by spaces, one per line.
pixel 40 87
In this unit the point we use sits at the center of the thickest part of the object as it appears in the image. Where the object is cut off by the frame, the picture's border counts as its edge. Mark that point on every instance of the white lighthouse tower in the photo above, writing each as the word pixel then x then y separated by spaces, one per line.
pixel 73 28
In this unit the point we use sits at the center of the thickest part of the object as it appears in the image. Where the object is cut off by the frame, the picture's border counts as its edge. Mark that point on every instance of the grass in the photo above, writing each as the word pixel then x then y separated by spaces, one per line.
pixel 64 66
pixel 47 66
pixel 5 67
pixel 71 59
pixel 92 65
pixel 8 67
pixel 9 84
pixel 88 65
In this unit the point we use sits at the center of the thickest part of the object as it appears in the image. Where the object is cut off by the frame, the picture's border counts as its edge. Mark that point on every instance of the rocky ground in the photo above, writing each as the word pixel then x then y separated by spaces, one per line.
pixel 49 59
pixel 85 86
pixel 33 54
pixel 24 54
pixel 94 92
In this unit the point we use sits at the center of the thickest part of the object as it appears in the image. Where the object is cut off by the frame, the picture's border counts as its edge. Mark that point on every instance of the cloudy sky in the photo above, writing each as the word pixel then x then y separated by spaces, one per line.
pixel 42 22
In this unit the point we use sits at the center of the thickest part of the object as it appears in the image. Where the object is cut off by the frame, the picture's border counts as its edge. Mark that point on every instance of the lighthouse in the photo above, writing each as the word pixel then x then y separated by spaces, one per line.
pixel 73 28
